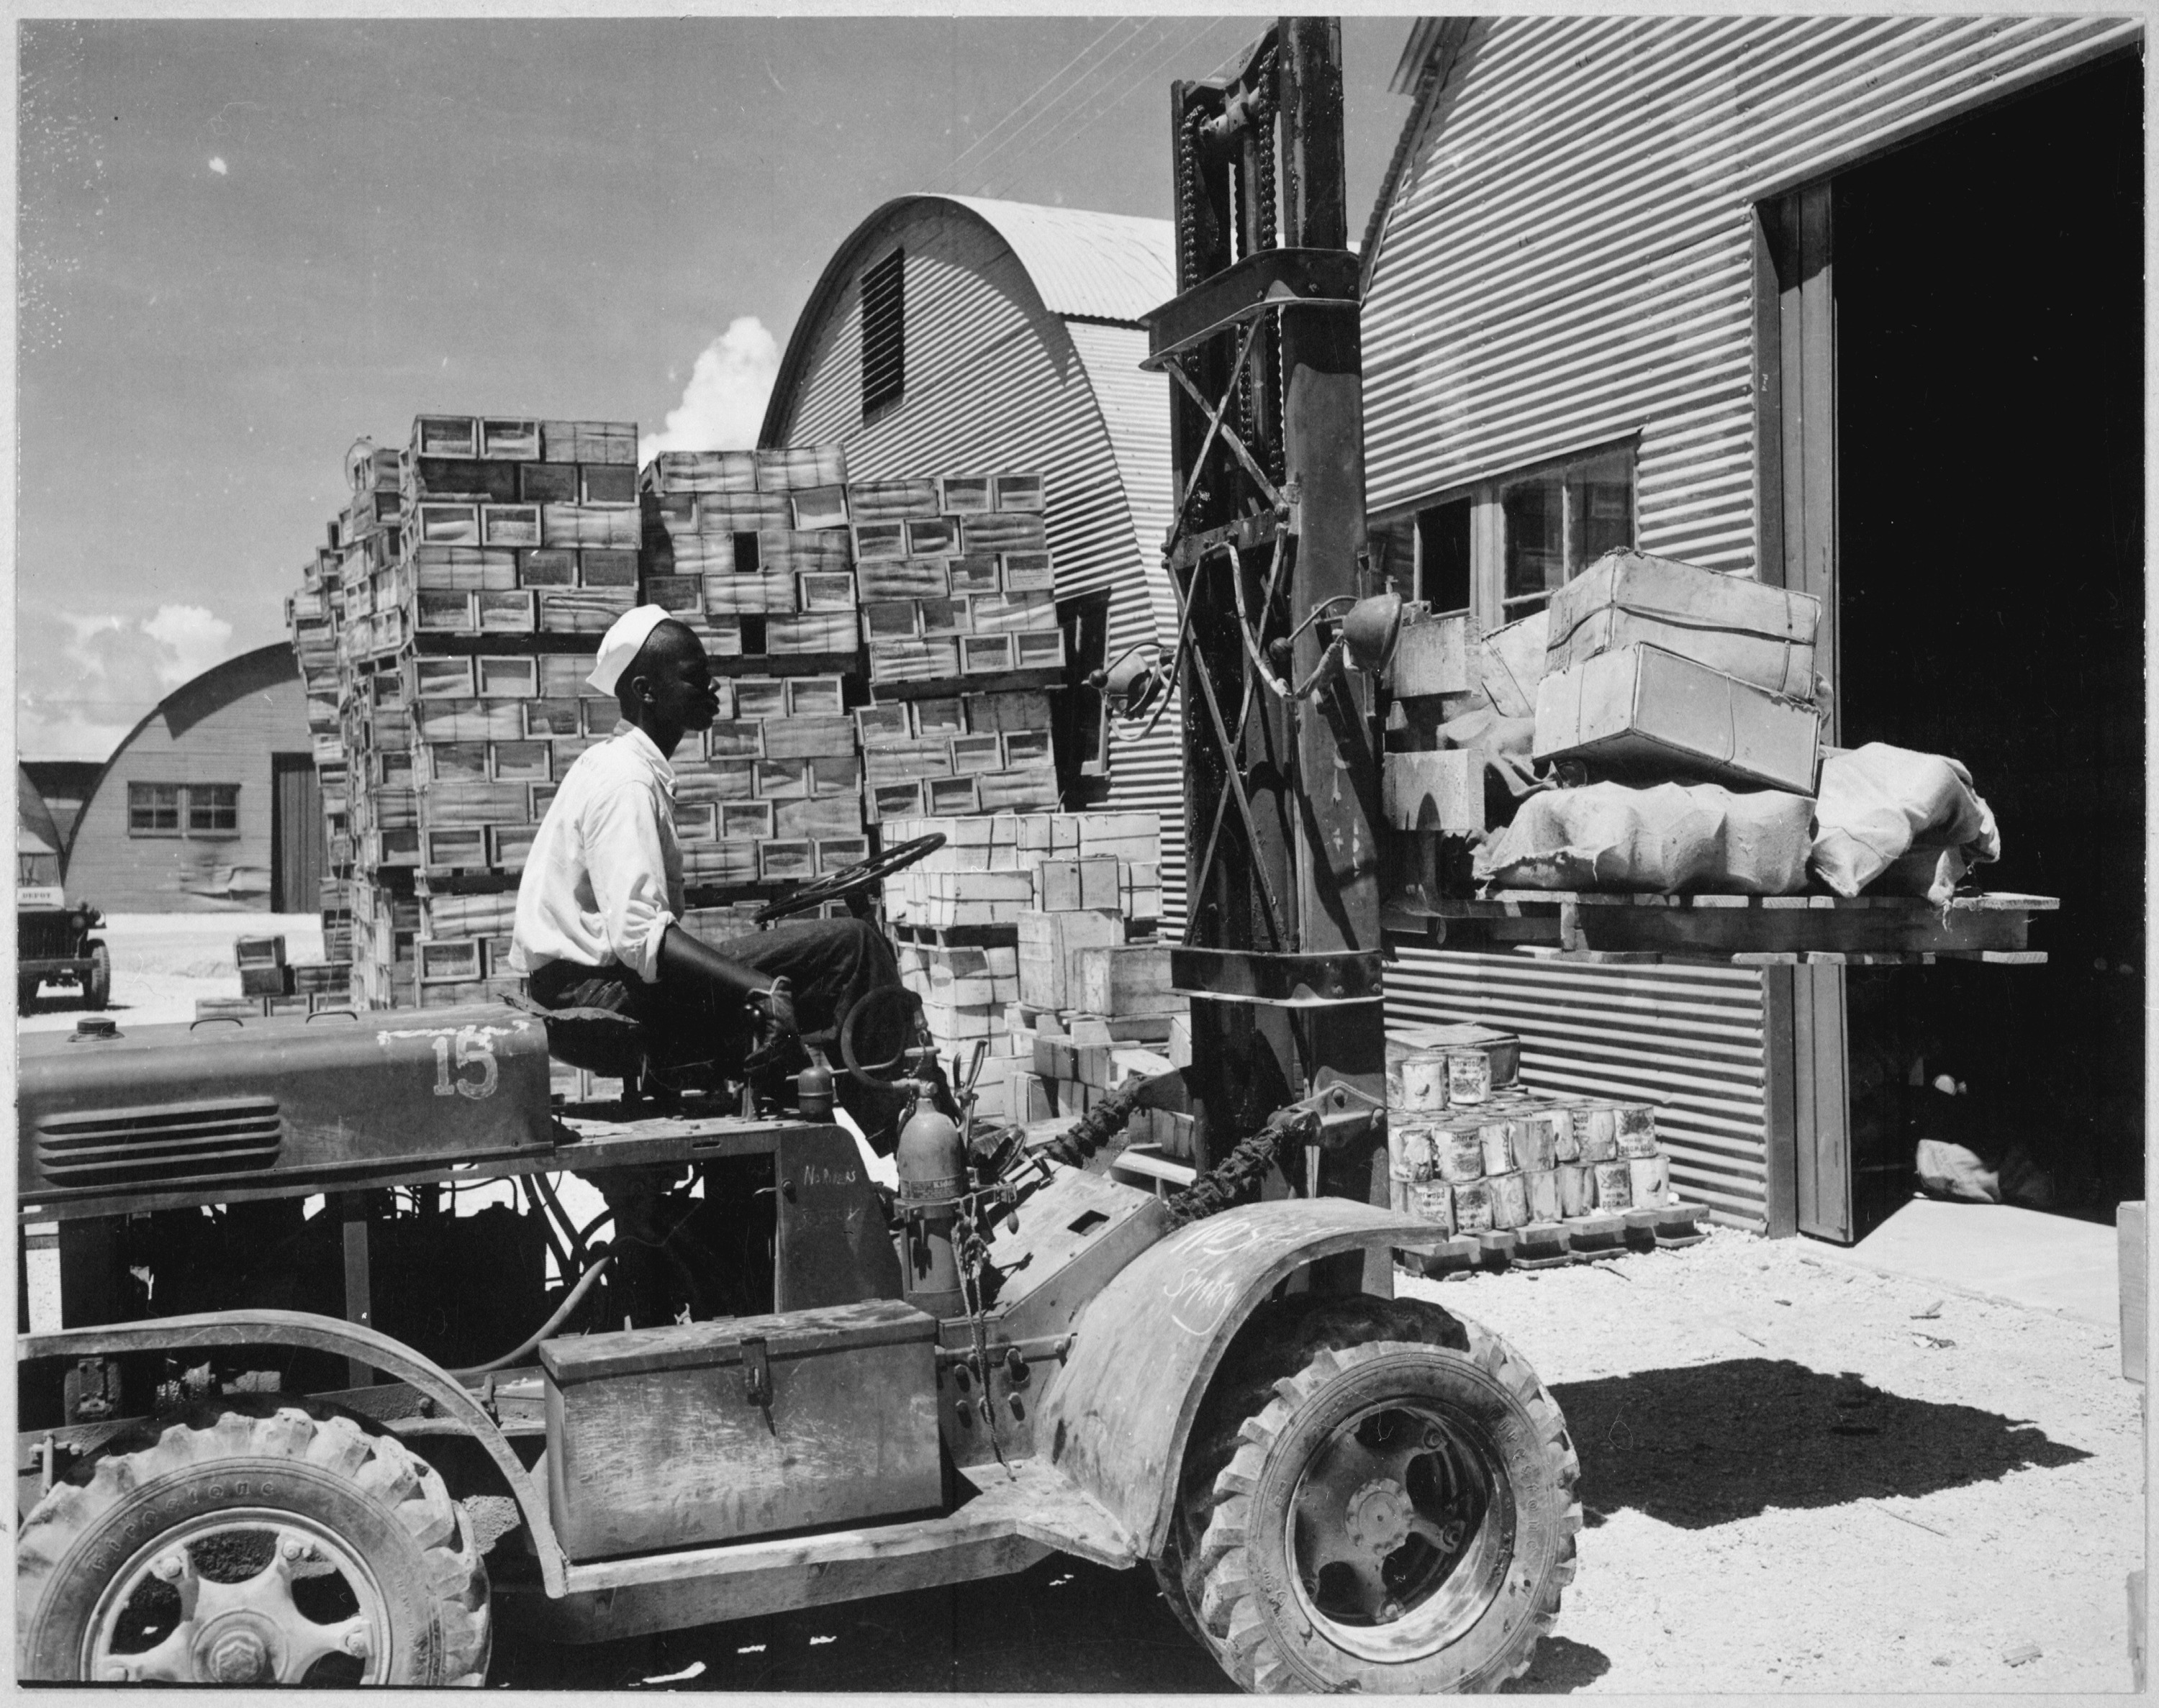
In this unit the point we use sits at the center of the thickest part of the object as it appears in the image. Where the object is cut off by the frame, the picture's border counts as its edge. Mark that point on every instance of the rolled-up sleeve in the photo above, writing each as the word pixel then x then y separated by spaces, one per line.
pixel 628 869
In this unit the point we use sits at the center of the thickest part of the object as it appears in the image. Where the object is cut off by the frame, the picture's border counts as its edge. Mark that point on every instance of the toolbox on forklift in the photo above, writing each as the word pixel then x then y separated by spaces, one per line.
pixel 709 1431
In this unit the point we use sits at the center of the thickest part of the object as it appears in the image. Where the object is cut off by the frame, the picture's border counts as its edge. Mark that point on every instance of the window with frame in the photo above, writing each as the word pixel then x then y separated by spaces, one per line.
pixel 884 333
pixel 153 809
pixel 214 808
pixel 1499 549
pixel 184 809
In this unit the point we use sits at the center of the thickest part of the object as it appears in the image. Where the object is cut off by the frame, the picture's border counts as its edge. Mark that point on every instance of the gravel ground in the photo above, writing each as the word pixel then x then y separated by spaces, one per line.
pixel 1797 1475
pixel 1889 1488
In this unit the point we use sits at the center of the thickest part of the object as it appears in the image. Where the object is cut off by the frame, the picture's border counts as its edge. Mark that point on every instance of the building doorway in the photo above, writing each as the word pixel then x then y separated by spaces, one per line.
pixel 297 851
pixel 1989 604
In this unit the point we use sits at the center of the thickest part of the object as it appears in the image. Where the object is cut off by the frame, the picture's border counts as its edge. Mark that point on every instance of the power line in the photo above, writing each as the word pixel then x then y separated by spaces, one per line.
pixel 1149 73
pixel 1113 24
pixel 1043 109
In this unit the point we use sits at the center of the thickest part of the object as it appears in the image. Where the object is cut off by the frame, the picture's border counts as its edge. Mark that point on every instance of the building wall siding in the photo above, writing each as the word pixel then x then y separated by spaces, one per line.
pixel 233 743
pixel 997 382
pixel 1569 261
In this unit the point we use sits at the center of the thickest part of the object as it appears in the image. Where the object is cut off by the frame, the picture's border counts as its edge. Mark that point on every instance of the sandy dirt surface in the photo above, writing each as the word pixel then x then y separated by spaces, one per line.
pixel 163 962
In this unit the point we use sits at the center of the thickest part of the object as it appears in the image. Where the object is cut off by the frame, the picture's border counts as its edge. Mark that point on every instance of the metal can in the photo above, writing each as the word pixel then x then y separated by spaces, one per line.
pixel 1597 1127
pixel 1637 1130
pixel 1566 1140
pixel 1458 1153
pixel 1648 1180
pixel 1541 1188
pixel 1472 1207
pixel 1534 1150
pixel 1498 1139
pixel 1423 1081
pixel 1615 1186
pixel 1577 1189
pixel 1433 1201
pixel 1409 1152
pixel 1510 1201
pixel 1469 1076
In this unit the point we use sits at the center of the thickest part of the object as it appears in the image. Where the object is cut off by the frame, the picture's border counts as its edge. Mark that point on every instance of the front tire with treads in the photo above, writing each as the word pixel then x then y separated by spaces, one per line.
pixel 1396 1516
pixel 285 1548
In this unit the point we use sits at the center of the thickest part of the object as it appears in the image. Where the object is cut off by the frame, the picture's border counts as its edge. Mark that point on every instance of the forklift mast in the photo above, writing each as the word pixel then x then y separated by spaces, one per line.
pixel 1267 549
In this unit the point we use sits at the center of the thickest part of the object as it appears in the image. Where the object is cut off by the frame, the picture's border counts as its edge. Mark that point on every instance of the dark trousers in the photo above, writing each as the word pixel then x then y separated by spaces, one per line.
pixel 830 964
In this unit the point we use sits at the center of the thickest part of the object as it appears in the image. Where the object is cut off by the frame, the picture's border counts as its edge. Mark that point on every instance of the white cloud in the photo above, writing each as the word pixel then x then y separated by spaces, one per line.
pixel 723 407
pixel 217 164
pixel 193 638
pixel 83 679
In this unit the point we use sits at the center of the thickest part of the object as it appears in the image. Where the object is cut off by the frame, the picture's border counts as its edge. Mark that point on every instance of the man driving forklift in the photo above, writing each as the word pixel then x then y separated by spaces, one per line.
pixel 600 906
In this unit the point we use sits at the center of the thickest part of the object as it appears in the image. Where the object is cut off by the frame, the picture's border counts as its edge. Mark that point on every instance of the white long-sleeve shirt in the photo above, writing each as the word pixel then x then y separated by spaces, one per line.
pixel 603 880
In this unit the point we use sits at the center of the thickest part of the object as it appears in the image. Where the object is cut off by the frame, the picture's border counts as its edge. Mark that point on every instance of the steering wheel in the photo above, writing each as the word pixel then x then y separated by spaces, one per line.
pixel 851 880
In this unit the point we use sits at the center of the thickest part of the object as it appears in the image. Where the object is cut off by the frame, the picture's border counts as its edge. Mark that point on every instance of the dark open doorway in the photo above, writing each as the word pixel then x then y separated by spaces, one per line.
pixel 1989 299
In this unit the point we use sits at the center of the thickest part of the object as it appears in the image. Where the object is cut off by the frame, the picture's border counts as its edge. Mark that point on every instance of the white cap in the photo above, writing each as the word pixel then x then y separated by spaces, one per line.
pixel 619 644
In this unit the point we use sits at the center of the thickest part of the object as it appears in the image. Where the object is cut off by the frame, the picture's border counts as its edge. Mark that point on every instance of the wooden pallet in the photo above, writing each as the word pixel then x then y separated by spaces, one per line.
pixel 1730 930
pixel 1591 1239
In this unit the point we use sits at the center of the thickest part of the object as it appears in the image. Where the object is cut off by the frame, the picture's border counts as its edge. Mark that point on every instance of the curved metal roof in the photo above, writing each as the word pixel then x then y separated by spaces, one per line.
pixel 1106 266
pixel 1082 265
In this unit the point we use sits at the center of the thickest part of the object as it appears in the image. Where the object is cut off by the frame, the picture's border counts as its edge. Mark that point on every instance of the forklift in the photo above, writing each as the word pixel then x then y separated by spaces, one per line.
pixel 276 1437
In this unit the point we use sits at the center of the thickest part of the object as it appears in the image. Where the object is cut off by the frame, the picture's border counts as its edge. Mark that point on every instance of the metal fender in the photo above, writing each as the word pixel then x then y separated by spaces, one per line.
pixel 304 1328
pixel 1115 1419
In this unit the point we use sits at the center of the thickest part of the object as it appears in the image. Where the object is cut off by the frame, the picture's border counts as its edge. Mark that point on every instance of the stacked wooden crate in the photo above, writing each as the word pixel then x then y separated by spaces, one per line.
pixel 270 984
pixel 752 549
pixel 1029 922
pixel 959 617
pixel 1474 1150
pixel 444 637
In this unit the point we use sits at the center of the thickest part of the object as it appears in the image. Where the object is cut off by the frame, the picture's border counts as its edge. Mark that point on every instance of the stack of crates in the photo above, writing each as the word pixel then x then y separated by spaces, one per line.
pixel 751 549
pixel 469 578
pixel 993 929
pixel 272 984
pixel 959 617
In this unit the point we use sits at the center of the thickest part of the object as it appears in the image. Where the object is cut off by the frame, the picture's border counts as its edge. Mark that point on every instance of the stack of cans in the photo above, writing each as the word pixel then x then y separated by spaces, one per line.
pixel 1471 1155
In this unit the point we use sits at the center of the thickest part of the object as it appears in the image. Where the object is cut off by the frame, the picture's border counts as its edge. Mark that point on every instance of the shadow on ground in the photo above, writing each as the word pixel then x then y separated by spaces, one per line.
pixel 1561 1665
pixel 1060 1625
pixel 1709 1443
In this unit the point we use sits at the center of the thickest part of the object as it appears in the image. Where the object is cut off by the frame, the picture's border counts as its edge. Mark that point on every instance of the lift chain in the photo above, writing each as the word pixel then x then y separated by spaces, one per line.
pixel 1237 1178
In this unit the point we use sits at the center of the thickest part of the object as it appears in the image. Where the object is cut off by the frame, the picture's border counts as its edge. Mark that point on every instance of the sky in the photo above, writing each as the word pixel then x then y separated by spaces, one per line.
pixel 242 245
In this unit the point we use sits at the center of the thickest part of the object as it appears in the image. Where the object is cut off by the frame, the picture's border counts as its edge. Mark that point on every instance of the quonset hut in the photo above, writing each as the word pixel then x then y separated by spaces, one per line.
pixel 211 803
pixel 1004 337
pixel 1851 304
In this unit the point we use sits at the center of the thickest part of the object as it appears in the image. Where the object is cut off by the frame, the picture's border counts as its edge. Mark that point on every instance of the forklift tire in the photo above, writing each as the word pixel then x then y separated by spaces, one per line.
pixel 97 987
pixel 1394 1512
pixel 284 1548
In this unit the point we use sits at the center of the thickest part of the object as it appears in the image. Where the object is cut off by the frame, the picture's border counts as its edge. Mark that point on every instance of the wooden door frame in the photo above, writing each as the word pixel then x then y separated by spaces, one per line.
pixel 1809 1140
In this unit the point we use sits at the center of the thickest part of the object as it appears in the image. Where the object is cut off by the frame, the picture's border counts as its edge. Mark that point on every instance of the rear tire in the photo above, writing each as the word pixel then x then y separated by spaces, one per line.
pixel 1393 1512
pixel 284 1548
pixel 97 988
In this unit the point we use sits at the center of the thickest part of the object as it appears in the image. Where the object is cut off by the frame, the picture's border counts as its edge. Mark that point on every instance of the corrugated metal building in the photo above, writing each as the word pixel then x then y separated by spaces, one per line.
pixel 1020 346
pixel 211 803
pixel 1599 305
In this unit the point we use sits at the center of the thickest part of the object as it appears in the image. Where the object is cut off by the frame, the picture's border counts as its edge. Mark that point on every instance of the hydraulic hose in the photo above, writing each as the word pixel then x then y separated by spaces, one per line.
pixel 562 1316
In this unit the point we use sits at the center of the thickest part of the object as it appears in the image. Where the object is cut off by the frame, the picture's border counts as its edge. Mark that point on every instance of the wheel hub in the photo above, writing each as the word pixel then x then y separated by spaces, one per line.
pixel 1378 1519
pixel 242 1647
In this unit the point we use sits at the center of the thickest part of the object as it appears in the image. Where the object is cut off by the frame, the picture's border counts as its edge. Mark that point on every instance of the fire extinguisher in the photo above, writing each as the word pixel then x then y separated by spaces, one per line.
pixel 932 1179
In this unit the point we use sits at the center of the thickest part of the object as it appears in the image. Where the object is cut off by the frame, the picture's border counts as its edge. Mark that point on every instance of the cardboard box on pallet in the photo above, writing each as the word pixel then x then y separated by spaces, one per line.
pixel 1644 711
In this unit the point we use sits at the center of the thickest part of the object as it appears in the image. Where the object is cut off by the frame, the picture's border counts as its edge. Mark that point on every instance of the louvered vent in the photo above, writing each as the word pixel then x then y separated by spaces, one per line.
pixel 173 1141
pixel 884 333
